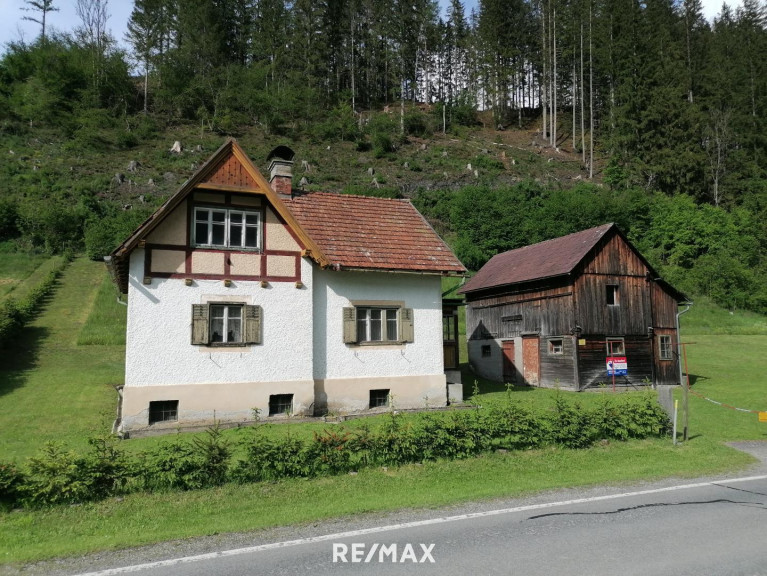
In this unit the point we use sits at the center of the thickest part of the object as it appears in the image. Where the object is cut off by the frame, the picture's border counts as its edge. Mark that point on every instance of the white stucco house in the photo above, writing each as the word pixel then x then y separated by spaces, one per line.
pixel 243 294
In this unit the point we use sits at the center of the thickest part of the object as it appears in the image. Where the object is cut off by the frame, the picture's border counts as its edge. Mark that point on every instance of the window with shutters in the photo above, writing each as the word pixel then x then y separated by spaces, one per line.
pixel 226 324
pixel 377 325
pixel 225 228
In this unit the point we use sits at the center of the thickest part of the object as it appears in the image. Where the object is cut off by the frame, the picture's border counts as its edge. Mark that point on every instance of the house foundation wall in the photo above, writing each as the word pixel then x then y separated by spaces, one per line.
pixel 345 395
pixel 203 404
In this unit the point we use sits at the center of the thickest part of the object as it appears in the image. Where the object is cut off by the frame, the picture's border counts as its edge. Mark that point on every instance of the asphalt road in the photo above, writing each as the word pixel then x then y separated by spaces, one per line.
pixel 714 527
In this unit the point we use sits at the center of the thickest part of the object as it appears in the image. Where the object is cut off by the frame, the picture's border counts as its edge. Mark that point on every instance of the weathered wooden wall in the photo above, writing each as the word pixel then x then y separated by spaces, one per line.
pixel 558 369
pixel 544 311
pixel 592 368
pixel 666 371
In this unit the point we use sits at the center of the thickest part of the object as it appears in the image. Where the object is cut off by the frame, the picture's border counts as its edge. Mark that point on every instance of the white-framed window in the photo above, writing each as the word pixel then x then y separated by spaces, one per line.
pixel 377 324
pixel 226 324
pixel 665 351
pixel 616 347
pixel 226 228
pixel 556 346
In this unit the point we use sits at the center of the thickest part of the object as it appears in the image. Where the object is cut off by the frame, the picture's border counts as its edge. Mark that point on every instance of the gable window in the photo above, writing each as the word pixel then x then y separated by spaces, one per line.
pixel 556 346
pixel 225 228
pixel 163 411
pixel 611 294
pixel 664 348
pixel 616 347
pixel 226 324
pixel 382 325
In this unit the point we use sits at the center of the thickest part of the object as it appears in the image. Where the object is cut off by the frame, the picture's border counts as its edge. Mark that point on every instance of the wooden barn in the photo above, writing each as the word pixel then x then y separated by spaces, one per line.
pixel 573 312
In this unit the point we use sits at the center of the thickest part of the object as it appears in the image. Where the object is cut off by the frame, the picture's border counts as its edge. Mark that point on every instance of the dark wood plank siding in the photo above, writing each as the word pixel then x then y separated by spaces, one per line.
pixel 544 312
pixel 664 308
pixel 631 315
pixel 557 369
pixel 666 371
pixel 592 357
pixel 615 257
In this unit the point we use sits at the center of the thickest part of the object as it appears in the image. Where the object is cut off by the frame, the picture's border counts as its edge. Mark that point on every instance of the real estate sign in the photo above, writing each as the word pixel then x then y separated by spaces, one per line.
pixel 617 366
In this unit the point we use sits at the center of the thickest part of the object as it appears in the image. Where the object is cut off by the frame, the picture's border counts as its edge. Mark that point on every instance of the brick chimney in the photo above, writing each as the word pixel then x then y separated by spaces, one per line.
pixel 281 171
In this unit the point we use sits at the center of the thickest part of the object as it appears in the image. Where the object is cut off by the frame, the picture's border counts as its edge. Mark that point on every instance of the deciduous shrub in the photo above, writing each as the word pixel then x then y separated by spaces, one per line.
pixel 60 476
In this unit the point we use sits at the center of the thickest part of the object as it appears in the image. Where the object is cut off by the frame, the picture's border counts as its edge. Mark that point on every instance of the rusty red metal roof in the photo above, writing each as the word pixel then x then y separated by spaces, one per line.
pixel 555 257
pixel 372 233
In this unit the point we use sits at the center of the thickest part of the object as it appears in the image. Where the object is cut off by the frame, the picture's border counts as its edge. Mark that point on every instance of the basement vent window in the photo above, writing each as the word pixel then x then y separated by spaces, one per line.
pixel 486 351
pixel 163 411
pixel 379 398
pixel 280 404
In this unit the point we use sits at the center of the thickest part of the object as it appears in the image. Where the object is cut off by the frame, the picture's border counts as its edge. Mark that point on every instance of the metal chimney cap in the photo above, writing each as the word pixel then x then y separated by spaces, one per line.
pixel 281 153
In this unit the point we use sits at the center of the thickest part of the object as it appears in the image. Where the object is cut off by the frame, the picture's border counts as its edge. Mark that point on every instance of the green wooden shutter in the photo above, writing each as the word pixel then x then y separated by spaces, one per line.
pixel 350 325
pixel 200 324
pixel 253 315
pixel 406 333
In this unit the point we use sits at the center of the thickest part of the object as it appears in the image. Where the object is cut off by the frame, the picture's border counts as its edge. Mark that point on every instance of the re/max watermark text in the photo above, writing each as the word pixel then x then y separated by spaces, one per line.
pixel 359 552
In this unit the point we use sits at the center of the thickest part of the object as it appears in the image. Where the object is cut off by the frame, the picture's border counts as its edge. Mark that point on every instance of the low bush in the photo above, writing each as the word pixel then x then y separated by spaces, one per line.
pixel 59 476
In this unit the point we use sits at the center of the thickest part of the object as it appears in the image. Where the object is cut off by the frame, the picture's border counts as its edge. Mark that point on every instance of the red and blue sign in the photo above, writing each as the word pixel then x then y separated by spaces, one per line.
pixel 617 366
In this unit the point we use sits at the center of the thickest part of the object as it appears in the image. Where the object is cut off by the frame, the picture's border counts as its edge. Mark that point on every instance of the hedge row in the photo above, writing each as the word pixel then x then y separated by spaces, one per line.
pixel 58 476
pixel 15 313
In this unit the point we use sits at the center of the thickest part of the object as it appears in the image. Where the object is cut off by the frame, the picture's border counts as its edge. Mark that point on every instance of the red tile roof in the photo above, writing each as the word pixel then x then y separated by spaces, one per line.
pixel 372 233
pixel 554 257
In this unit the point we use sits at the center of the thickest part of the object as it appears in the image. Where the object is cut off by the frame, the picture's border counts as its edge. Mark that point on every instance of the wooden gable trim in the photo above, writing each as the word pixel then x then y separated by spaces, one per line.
pixel 197 181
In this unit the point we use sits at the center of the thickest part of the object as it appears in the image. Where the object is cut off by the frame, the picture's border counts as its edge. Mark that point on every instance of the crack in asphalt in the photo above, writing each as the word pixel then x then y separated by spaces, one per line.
pixel 653 505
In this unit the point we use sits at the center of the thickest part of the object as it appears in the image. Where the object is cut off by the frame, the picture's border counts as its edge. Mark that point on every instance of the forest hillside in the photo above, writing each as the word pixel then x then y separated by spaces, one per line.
pixel 518 121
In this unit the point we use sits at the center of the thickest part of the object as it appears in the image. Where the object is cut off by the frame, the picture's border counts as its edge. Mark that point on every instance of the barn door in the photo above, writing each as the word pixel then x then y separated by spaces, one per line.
pixel 530 360
pixel 509 369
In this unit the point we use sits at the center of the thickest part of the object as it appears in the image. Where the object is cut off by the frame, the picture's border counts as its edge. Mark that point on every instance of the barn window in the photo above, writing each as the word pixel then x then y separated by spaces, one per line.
pixel 163 411
pixel 377 325
pixel 612 295
pixel 223 228
pixel 664 348
pixel 556 346
pixel 226 324
pixel 616 347
pixel 486 351
pixel 280 404
pixel 379 398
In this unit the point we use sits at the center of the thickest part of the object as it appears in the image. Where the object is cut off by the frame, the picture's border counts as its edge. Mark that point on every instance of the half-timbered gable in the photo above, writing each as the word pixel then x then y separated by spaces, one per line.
pixel 562 312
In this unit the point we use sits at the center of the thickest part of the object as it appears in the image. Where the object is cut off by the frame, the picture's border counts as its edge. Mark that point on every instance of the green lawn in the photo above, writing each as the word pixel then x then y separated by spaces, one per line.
pixel 15 269
pixel 50 388
pixel 58 384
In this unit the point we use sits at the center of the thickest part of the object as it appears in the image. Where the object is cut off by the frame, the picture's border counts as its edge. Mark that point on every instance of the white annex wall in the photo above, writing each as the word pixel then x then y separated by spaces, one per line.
pixel 336 290
pixel 158 348
pixel 345 373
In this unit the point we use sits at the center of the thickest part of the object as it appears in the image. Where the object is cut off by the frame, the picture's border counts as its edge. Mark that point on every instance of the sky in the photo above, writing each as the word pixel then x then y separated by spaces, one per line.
pixel 13 28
